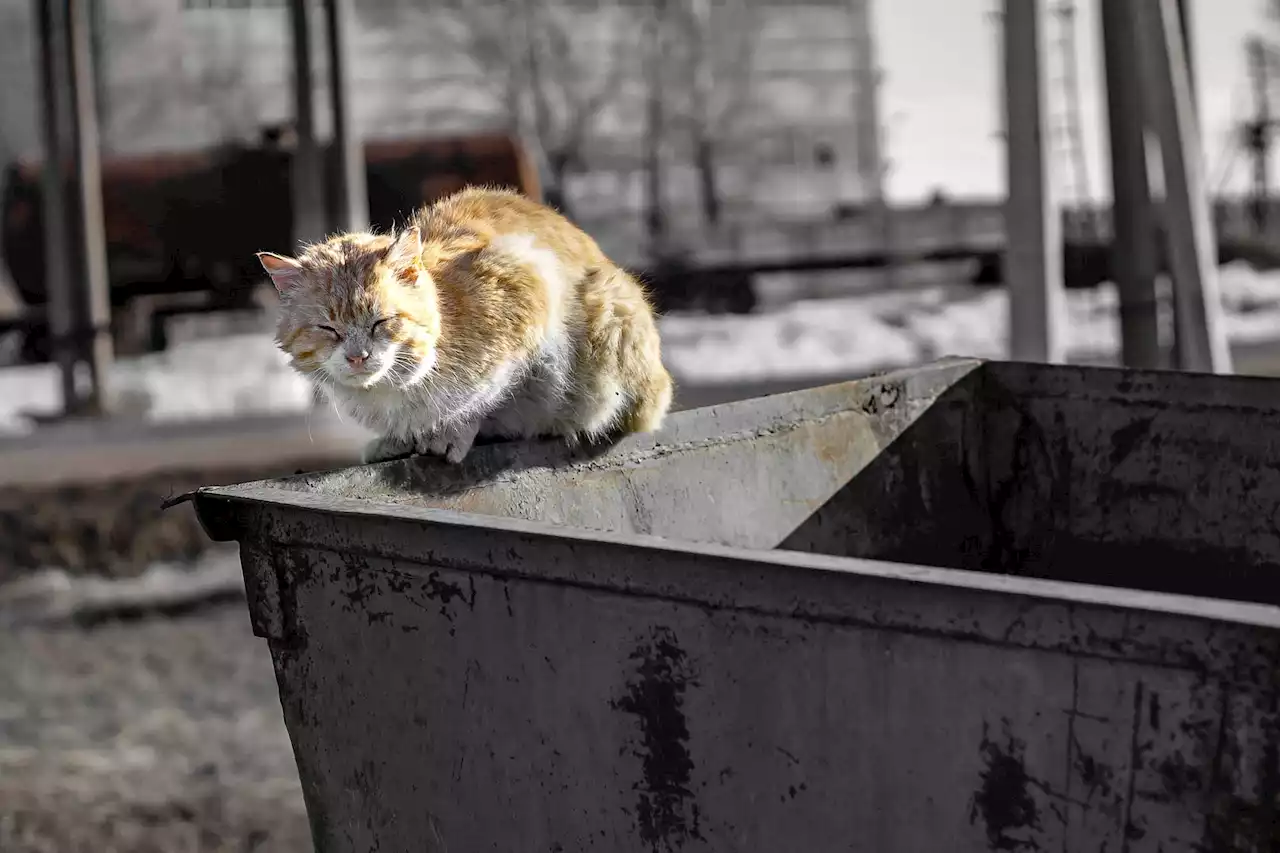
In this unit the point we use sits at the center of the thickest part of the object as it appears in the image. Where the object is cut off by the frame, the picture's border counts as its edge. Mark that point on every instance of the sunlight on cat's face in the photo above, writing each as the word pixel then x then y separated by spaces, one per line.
pixel 371 350
pixel 349 319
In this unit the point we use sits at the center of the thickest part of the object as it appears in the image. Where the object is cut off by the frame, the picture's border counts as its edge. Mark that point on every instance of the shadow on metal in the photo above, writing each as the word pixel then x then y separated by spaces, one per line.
pixel 932 604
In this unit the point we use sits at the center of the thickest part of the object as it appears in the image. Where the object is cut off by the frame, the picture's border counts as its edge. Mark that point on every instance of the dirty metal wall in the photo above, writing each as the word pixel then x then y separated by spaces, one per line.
pixel 922 498
pixel 459 687
pixel 1153 480
pixel 460 682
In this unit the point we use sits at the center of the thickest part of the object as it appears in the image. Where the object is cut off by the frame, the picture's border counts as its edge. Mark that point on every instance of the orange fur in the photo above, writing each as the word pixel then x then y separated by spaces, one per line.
pixel 497 316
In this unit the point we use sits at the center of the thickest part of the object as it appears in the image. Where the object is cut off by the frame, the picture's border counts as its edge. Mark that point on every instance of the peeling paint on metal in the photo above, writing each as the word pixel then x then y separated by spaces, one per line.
pixel 1003 802
pixel 667 813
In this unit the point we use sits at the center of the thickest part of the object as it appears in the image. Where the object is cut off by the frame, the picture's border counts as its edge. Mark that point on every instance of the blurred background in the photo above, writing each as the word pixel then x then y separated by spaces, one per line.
pixel 812 188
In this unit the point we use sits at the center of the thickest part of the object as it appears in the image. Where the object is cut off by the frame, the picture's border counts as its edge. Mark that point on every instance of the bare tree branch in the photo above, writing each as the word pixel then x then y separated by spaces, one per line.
pixel 538 57
pixel 716 40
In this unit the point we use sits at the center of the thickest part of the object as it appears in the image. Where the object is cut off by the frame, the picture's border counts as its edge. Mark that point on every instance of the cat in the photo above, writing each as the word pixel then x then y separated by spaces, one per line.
pixel 489 314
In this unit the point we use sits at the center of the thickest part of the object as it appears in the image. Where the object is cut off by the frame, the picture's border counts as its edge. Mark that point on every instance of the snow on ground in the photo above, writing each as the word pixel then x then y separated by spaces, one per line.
pixel 218 377
pixel 860 333
pixel 244 374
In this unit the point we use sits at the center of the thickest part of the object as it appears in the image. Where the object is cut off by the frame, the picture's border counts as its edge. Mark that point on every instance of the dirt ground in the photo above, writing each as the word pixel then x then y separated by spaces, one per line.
pixel 160 734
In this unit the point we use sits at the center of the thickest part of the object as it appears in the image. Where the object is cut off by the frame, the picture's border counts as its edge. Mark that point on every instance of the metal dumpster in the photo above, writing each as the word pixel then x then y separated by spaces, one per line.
pixel 846 619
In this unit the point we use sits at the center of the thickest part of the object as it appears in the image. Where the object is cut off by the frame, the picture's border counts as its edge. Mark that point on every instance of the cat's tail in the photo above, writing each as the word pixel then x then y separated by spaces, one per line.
pixel 625 342
pixel 650 401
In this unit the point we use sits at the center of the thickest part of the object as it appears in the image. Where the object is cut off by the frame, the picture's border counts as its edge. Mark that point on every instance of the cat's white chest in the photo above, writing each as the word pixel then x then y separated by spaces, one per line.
pixel 533 405
pixel 385 410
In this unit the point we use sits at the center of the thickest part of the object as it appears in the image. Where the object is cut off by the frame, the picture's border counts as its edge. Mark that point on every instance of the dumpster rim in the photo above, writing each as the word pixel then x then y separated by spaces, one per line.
pixel 212 503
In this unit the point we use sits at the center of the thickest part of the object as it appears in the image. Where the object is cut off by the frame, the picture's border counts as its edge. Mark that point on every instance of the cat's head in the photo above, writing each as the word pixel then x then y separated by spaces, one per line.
pixel 358 310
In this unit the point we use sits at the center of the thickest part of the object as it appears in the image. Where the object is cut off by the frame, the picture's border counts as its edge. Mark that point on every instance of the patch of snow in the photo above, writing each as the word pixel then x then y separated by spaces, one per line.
pixel 54 595
pixel 803 338
pixel 858 334
pixel 206 378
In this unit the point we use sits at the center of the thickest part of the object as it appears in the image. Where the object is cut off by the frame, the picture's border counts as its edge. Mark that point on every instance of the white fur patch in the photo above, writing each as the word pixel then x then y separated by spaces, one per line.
pixel 523 249
pixel 600 411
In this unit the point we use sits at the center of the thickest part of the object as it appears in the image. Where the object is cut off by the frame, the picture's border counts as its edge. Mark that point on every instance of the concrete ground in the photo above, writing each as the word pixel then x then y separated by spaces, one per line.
pixel 157 736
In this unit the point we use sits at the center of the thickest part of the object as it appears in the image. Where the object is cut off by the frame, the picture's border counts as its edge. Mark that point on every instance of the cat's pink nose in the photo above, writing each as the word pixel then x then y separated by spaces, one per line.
pixel 358 360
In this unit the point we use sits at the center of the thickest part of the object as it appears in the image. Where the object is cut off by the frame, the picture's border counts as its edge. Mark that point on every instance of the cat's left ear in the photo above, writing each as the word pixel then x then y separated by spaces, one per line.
pixel 285 272
pixel 408 246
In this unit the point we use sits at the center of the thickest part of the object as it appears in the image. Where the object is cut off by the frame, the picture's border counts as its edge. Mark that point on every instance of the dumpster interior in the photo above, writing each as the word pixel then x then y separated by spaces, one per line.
pixel 1150 480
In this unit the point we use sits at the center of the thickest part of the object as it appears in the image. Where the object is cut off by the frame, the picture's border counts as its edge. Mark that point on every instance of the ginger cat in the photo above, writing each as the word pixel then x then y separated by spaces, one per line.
pixel 490 314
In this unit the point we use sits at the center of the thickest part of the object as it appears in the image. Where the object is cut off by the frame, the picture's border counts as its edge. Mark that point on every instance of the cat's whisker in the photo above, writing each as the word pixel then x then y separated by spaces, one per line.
pixel 387 365
pixel 422 370
pixel 323 385
pixel 402 367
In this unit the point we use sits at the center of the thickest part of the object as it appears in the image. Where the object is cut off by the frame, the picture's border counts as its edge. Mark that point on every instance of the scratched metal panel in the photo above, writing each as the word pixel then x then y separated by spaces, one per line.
pixel 1156 480
pixel 459 683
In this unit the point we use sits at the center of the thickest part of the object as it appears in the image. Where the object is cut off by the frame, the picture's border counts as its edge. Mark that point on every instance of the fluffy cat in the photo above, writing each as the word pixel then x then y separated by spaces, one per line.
pixel 489 314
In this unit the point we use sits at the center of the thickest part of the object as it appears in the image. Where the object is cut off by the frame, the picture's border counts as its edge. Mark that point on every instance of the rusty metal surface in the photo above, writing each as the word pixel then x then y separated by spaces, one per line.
pixel 1155 480
pixel 458 674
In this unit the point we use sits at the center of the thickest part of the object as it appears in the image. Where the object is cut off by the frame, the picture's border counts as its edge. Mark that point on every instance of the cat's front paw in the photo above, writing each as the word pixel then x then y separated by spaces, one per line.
pixel 386 448
pixel 452 441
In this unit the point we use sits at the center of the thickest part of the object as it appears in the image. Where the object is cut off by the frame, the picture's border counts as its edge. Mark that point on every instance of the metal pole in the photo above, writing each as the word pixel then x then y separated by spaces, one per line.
pixel 351 195
pixel 1185 26
pixel 1201 340
pixel 1133 230
pixel 1188 51
pixel 1032 220
pixel 101 83
pixel 51 22
pixel 1259 135
pixel 1074 191
pixel 97 295
pixel 655 131
pixel 308 175
pixel 870 156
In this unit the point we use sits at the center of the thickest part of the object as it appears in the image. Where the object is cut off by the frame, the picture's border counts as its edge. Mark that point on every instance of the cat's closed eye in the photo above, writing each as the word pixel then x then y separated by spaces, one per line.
pixel 331 330
pixel 377 324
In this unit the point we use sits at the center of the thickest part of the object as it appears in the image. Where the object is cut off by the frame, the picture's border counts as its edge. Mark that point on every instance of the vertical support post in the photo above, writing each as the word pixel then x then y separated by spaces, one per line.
pixel 1033 222
pixel 1188 51
pixel 54 86
pixel 1134 260
pixel 1201 339
pixel 96 292
pixel 655 132
pixel 308 175
pixel 100 15
pixel 1259 135
pixel 351 193
pixel 870 158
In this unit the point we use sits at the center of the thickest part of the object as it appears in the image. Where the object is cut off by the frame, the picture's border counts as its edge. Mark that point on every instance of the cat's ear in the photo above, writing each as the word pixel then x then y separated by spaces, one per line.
pixel 407 247
pixel 285 272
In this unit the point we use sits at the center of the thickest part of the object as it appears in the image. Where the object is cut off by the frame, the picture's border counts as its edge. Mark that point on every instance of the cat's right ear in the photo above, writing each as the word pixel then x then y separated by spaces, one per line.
pixel 285 272
pixel 407 247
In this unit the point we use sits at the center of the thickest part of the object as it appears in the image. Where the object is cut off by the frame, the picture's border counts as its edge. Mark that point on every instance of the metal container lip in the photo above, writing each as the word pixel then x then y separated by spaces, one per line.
pixel 221 510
